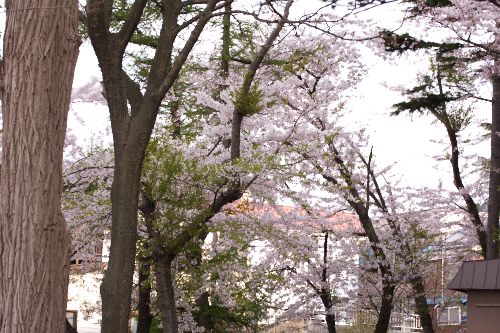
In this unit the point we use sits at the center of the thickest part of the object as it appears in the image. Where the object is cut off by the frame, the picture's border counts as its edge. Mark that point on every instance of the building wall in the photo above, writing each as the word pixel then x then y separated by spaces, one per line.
pixel 84 297
pixel 483 311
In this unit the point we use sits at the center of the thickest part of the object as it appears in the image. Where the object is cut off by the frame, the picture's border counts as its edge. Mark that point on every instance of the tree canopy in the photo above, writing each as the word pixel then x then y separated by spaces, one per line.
pixel 235 194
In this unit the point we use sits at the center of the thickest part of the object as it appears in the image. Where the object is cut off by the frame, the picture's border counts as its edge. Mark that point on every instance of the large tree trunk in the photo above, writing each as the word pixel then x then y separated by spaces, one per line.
pixel 494 194
pixel 41 48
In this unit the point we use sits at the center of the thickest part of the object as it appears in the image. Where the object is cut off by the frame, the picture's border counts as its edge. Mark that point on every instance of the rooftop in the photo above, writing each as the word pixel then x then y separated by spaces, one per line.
pixel 477 275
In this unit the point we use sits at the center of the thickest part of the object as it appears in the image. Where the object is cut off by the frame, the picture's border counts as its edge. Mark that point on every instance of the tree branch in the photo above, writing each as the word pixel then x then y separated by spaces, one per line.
pixel 133 93
pixel 130 25
pixel 188 46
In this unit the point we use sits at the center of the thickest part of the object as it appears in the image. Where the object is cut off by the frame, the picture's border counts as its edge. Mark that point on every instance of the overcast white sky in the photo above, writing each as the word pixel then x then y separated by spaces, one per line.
pixel 403 138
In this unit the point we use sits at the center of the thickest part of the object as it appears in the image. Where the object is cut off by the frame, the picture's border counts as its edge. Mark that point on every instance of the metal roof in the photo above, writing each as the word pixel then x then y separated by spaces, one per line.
pixel 480 275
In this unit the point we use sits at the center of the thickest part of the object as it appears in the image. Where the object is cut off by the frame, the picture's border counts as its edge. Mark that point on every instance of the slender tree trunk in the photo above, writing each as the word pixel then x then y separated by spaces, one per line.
pixel 388 286
pixel 162 267
pixel 165 292
pixel 362 211
pixel 384 317
pixel 330 323
pixel 145 317
pixel 204 319
pixel 226 41
pixel 472 208
pixel 147 208
pixel 421 305
pixel 494 194
pixel 40 51
pixel 324 293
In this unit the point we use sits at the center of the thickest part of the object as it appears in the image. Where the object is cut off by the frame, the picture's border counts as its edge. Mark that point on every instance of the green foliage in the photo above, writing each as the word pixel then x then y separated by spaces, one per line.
pixel 416 10
pixel 225 319
pixel 361 322
pixel 180 183
pixel 167 168
pixel 82 28
pixel 155 326
pixel 430 101
pixel 299 60
pixel 248 301
pixel 242 40
pixel 436 93
pixel 82 31
pixel 248 102
pixel 405 42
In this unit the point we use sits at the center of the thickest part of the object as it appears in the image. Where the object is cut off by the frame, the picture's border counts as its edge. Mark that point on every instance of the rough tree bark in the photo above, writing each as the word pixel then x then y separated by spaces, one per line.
pixel 494 193
pixel 40 52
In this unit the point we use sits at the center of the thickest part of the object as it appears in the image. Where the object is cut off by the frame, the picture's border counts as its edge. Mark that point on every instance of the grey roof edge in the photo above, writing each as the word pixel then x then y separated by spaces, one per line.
pixel 455 283
pixel 463 279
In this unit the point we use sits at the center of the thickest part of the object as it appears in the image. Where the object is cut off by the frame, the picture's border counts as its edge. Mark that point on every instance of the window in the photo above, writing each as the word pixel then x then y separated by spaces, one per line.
pixel 318 317
pixel 450 316
pixel 98 249
pixel 71 316
pixel 76 262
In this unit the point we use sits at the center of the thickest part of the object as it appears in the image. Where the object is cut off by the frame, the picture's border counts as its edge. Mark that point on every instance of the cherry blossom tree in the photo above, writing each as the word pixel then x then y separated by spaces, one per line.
pixel 301 78
pixel 316 256
pixel 269 122
pixel 335 157
pixel 145 99
pixel 227 190
pixel 394 233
